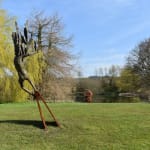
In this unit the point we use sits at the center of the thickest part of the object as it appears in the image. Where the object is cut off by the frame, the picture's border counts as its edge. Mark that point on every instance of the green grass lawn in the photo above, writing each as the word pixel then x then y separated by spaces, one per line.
pixel 84 127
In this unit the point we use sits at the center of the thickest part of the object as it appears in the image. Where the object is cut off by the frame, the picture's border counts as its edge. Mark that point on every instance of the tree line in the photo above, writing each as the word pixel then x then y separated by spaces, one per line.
pixel 51 68
pixel 130 83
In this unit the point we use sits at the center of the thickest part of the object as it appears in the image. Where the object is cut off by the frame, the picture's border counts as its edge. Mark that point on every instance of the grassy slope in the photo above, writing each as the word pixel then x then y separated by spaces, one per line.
pixel 84 127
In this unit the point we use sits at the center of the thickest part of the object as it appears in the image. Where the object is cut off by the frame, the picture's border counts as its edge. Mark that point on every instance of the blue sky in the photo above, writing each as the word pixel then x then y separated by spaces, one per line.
pixel 104 30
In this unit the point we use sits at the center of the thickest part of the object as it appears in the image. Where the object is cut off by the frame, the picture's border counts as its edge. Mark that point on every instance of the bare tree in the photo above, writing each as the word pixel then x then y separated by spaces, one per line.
pixel 139 61
pixel 49 32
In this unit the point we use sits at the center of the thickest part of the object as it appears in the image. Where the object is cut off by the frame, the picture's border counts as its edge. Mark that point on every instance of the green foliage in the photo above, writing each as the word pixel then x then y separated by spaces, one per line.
pixel 45 68
pixel 110 89
pixel 110 94
pixel 9 86
pixel 6 62
pixel 128 81
pixel 34 65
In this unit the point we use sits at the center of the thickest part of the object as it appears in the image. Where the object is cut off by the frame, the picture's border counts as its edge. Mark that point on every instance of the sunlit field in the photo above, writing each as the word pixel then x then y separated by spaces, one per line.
pixel 98 126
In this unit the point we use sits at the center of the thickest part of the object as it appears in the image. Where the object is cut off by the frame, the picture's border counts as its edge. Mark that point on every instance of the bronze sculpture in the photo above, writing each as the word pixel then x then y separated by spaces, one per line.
pixel 88 95
pixel 22 44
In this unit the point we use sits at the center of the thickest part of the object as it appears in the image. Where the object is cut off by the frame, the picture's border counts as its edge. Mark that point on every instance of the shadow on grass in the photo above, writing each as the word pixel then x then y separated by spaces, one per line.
pixel 35 123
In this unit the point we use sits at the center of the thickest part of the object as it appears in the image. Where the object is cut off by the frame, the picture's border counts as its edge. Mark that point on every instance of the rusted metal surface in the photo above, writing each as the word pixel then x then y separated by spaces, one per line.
pixel 39 97
pixel 88 95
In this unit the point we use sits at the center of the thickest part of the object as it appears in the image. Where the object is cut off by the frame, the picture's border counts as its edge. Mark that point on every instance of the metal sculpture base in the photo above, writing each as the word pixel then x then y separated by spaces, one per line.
pixel 38 97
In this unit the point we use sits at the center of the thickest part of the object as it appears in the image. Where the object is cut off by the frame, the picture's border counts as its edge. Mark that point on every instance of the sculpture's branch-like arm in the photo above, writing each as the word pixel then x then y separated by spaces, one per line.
pixel 30 54
pixel 28 91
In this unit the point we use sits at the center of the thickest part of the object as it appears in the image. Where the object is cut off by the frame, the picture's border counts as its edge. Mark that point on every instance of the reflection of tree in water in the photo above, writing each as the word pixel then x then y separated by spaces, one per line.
pixel 79 95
